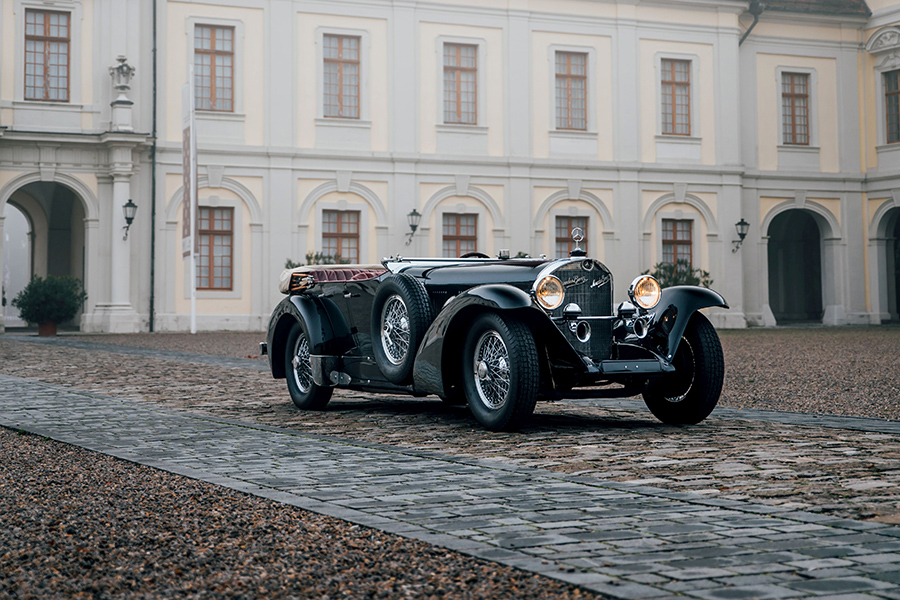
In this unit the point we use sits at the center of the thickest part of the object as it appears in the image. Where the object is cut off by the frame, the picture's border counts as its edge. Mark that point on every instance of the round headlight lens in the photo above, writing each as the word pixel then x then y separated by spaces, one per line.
pixel 644 291
pixel 549 292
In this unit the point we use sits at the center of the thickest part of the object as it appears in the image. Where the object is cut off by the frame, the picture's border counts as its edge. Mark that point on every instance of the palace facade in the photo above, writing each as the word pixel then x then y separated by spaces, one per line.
pixel 656 126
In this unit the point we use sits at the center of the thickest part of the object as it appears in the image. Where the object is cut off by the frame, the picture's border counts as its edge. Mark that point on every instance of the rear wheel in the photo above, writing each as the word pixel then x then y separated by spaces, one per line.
pixel 298 369
pixel 500 372
pixel 690 394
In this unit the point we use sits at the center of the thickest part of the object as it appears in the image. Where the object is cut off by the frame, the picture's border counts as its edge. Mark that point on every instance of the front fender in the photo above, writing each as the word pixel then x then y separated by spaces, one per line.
pixel 448 328
pixel 328 330
pixel 672 314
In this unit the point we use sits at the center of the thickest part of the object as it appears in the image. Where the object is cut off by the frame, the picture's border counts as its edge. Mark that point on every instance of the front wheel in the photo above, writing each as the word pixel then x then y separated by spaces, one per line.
pixel 690 394
pixel 298 369
pixel 500 372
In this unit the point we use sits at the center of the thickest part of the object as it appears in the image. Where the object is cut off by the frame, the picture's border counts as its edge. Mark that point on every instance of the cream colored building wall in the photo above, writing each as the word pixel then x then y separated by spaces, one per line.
pixel 431 62
pixel 375 80
pixel 368 251
pixel 8 48
pixel 431 225
pixel 679 210
pixel 179 46
pixel 597 225
pixel 218 306
pixel 703 94
pixel 769 103
pixel 544 88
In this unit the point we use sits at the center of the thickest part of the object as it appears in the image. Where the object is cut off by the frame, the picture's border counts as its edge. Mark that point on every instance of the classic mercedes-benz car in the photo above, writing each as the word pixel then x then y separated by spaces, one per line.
pixel 495 333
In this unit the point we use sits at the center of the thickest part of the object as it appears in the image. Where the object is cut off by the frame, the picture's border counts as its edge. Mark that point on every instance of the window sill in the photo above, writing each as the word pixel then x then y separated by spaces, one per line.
pixel 343 122
pixel 678 139
pixel 574 134
pixel 798 148
pixel 47 105
pixel 219 115
pixel 461 128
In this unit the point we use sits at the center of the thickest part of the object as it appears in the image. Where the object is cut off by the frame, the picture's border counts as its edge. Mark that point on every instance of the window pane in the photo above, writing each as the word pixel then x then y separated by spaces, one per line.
pixel 460 84
pixel 216 238
pixel 892 105
pixel 340 234
pixel 214 68
pixel 571 90
pixel 340 86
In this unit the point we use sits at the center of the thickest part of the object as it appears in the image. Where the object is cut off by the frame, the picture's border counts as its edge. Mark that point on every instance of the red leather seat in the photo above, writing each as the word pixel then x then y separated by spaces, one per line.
pixel 326 274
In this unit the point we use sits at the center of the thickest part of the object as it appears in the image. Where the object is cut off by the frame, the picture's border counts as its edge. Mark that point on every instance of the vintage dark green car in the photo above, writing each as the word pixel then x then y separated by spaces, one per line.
pixel 496 333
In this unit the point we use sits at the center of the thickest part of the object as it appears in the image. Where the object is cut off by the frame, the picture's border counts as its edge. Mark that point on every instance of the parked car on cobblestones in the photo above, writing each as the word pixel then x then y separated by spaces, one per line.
pixel 497 334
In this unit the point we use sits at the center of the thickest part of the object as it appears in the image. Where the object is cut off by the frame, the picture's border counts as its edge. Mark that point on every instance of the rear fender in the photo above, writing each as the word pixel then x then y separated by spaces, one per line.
pixel 329 333
pixel 448 329
pixel 676 306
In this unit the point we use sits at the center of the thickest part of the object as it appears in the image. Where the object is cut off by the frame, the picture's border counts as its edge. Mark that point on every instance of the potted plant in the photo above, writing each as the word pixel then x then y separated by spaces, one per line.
pixel 49 302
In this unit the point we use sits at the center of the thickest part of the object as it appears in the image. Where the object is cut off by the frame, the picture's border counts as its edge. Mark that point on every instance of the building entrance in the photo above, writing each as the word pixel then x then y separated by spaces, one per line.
pixel 795 268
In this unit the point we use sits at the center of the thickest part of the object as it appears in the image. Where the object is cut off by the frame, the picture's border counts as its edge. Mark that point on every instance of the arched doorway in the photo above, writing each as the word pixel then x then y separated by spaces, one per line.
pixel 55 232
pixel 17 260
pixel 795 267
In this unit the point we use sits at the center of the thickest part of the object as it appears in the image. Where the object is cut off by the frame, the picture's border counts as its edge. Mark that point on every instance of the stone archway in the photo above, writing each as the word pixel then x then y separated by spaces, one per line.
pixel 56 233
pixel 795 267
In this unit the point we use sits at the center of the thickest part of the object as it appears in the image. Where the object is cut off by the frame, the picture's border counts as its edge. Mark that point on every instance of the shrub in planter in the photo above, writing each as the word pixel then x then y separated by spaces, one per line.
pixel 679 273
pixel 52 300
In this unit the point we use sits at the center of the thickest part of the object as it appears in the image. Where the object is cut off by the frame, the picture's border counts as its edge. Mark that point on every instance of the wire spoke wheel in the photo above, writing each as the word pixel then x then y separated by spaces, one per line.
pixel 395 333
pixel 491 366
pixel 500 371
pixel 305 392
pixel 302 369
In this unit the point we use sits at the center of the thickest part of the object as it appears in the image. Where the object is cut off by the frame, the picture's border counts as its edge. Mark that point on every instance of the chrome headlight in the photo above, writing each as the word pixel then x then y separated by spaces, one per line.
pixel 645 292
pixel 549 292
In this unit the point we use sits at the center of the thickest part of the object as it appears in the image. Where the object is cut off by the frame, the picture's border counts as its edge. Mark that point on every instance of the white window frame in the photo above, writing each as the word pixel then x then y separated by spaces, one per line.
pixel 813 106
pixel 593 220
pixel 76 16
pixel 590 85
pixel 237 242
pixel 480 79
pixel 881 109
pixel 237 112
pixel 694 59
pixel 364 51
pixel 462 209
pixel 679 215
pixel 345 204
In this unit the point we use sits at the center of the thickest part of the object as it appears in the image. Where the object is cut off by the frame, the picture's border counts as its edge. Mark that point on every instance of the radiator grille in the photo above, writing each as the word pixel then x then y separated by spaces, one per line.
pixel 589 285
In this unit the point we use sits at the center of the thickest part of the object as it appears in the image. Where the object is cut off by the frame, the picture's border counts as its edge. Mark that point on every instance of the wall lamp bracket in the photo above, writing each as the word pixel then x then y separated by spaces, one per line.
pixel 413 219
pixel 742 228
pixel 129 208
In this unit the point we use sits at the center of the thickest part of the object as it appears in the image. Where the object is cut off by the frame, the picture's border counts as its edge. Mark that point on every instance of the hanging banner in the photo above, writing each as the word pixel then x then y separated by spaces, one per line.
pixel 189 238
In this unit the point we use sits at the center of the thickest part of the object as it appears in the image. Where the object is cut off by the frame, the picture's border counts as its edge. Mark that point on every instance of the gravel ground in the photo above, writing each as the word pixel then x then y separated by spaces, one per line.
pixel 143 533
pixel 119 530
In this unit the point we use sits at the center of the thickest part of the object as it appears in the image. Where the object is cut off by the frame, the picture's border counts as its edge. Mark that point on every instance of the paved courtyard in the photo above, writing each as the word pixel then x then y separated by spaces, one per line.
pixel 754 503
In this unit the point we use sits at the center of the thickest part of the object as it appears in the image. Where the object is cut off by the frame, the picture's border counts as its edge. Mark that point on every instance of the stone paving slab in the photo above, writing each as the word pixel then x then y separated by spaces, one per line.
pixel 623 540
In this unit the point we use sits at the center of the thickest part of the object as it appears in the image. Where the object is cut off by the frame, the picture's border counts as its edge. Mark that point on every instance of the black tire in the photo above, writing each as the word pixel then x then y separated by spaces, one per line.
pixel 690 394
pixel 298 371
pixel 501 375
pixel 401 313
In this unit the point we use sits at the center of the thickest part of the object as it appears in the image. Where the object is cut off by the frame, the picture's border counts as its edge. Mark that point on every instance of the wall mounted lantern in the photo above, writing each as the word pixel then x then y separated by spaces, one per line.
pixel 413 218
pixel 129 208
pixel 742 227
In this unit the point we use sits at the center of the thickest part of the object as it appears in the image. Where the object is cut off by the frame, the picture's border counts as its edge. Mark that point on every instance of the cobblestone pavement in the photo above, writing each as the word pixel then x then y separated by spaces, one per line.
pixel 751 503
pixel 850 469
